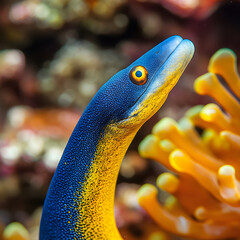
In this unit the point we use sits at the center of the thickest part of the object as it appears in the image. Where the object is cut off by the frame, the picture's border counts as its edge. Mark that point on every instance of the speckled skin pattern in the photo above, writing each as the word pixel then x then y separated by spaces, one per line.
pixel 80 200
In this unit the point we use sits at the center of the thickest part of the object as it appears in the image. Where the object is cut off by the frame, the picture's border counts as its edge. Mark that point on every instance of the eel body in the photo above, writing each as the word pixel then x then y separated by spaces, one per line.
pixel 80 199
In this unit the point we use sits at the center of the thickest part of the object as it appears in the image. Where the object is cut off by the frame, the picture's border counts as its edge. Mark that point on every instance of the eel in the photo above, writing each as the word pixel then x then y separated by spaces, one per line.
pixel 80 200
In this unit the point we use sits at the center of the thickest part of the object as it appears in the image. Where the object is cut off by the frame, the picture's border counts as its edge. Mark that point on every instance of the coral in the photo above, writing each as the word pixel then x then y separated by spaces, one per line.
pixel 35 134
pixel 31 144
pixel 190 8
pixel 77 72
pixel 202 151
pixel 15 231
pixel 54 14
pixel 12 64
pixel 17 81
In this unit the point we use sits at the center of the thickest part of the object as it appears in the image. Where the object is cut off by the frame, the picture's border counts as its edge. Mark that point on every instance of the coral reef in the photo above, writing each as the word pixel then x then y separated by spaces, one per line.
pixel 15 231
pixel 34 134
pixel 76 73
pixel 191 8
pixel 57 53
pixel 31 144
pixel 55 13
pixel 202 151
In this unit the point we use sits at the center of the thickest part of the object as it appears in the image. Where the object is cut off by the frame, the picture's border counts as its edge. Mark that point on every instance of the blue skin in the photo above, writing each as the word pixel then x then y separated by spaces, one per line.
pixel 113 103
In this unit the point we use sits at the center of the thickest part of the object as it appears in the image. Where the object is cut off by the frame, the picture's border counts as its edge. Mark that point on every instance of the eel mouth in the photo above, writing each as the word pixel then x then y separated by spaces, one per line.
pixel 173 67
pixel 161 83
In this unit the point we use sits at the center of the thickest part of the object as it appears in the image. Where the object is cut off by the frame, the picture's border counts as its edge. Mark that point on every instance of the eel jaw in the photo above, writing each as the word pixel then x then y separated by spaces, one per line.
pixel 164 79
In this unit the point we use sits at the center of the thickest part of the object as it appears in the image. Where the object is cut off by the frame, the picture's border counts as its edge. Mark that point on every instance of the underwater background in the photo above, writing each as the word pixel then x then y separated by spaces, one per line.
pixel 56 54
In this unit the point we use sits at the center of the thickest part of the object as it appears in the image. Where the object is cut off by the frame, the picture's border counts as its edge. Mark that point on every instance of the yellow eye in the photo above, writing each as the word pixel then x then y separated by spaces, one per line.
pixel 138 75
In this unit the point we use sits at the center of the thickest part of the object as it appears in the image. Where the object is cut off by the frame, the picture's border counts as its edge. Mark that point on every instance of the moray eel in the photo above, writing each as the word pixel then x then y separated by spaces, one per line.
pixel 80 199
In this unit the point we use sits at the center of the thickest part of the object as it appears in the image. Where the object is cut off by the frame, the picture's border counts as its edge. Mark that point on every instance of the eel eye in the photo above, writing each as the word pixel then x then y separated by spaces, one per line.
pixel 138 75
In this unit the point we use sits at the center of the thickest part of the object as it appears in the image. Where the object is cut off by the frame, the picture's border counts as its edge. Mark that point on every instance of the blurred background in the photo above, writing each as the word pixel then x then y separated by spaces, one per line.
pixel 56 54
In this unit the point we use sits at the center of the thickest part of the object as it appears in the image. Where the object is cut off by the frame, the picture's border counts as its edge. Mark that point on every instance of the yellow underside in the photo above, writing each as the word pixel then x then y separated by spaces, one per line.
pixel 96 202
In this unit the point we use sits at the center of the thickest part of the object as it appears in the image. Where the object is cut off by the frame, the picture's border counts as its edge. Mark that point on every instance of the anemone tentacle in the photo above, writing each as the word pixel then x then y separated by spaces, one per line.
pixel 207 180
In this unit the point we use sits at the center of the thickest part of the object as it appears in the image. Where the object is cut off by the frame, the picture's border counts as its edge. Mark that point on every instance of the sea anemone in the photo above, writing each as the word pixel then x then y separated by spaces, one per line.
pixel 202 152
